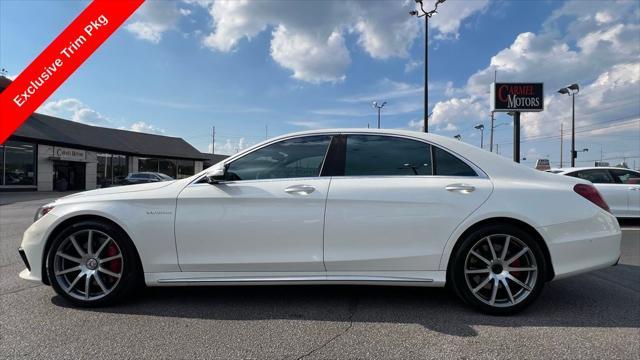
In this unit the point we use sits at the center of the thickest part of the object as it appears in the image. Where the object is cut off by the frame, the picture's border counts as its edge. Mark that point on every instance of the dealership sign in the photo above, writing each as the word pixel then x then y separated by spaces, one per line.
pixel 67 154
pixel 519 97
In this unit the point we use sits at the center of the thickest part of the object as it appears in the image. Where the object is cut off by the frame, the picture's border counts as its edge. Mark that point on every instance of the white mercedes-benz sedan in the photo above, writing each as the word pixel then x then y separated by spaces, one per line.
pixel 346 206
pixel 619 187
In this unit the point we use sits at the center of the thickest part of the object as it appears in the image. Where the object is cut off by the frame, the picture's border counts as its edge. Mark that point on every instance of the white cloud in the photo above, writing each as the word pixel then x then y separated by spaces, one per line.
pixel 154 18
pixel 74 110
pixel 312 59
pixel 451 15
pixel 229 147
pixel 412 65
pixel 308 36
pixel 142 126
pixel 603 59
pixel 309 124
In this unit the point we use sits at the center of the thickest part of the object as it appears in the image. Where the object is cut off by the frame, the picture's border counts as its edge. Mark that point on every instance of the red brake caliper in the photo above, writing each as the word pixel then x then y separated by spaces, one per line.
pixel 516 264
pixel 113 265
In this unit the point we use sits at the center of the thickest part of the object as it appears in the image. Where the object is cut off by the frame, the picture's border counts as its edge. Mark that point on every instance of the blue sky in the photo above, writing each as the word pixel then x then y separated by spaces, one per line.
pixel 180 67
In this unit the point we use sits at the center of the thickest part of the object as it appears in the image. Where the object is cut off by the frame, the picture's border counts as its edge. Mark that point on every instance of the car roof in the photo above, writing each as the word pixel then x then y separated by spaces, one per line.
pixel 491 164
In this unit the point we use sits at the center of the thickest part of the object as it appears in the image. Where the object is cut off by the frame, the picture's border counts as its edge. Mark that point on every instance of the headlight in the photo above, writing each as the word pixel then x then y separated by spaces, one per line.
pixel 42 211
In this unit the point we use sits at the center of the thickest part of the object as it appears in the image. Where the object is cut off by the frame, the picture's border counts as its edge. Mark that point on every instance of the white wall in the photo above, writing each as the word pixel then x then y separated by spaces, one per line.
pixel 197 167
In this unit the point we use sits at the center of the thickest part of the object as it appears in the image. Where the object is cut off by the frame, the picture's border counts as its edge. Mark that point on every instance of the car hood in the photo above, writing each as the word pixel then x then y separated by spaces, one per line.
pixel 119 190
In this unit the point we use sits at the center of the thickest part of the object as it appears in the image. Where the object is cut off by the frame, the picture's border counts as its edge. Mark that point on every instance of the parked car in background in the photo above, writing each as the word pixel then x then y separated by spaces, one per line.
pixel 344 206
pixel 145 177
pixel 620 187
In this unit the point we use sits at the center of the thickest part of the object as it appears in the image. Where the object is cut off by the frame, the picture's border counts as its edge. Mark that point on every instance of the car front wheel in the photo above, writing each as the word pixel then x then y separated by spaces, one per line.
pixel 92 263
pixel 498 269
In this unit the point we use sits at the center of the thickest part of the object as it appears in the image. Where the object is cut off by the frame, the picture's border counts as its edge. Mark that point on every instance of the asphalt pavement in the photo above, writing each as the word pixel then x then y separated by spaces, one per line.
pixel 592 316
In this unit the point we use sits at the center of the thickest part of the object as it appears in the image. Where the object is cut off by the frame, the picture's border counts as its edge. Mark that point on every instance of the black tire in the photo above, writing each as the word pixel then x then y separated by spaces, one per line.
pixel 129 269
pixel 504 302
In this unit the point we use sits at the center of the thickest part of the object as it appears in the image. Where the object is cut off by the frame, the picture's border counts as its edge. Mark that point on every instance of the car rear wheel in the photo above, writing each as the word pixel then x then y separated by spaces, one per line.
pixel 92 263
pixel 498 269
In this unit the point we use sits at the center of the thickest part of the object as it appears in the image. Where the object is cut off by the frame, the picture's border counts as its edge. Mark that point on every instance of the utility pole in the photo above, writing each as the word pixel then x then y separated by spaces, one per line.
pixel 213 140
pixel 266 132
pixel 498 149
pixel 561 138
pixel 600 152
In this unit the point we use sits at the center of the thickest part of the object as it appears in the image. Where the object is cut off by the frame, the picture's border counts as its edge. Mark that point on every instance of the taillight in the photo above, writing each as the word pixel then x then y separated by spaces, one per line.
pixel 592 194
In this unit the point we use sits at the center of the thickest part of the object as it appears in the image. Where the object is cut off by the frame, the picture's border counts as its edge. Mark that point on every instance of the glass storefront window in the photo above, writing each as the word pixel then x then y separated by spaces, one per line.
pixel 120 168
pixel 19 164
pixel 147 165
pixel 111 169
pixel 167 167
pixel 186 168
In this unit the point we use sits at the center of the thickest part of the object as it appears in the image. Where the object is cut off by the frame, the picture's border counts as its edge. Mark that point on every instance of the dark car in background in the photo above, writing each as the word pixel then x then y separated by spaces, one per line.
pixel 145 177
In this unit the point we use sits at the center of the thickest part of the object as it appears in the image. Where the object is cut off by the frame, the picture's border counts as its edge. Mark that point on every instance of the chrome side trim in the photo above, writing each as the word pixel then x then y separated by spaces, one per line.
pixel 330 278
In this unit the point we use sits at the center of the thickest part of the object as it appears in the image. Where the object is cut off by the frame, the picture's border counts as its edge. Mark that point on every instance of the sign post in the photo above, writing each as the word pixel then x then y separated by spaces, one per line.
pixel 515 98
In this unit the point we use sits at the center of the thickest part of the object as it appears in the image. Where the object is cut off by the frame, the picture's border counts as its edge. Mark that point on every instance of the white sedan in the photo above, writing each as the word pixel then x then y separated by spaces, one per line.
pixel 375 207
pixel 619 187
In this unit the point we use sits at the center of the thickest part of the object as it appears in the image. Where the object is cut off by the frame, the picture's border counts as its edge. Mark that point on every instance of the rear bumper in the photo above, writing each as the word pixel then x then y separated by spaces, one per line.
pixel 581 246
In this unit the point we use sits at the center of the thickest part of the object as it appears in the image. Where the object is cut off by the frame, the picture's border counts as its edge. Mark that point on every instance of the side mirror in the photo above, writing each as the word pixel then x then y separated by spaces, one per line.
pixel 216 175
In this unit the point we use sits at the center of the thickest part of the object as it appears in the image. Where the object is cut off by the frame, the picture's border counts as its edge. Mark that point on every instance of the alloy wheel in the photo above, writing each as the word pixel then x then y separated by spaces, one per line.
pixel 500 270
pixel 88 264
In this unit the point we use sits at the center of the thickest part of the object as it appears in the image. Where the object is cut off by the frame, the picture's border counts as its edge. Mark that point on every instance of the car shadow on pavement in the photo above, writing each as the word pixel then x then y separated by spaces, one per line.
pixel 607 299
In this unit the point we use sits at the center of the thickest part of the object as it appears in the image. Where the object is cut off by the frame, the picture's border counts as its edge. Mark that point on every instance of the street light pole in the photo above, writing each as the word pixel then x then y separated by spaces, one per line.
pixel 426 73
pixel 379 107
pixel 426 15
pixel 573 130
pixel 572 90
pixel 481 128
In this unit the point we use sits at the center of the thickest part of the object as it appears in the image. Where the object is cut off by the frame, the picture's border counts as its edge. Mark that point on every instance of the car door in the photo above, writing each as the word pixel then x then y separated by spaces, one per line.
pixel 395 204
pixel 613 193
pixel 630 181
pixel 266 216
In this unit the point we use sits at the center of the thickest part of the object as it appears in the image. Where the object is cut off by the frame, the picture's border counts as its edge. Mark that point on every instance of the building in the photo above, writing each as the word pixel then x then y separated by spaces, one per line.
pixel 48 153
pixel 212 159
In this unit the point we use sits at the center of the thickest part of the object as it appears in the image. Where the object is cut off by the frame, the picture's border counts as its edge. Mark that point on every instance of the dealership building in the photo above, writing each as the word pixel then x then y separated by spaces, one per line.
pixel 48 153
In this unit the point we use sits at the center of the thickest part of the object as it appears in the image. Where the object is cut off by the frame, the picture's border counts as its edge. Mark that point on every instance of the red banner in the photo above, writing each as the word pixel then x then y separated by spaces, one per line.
pixel 60 59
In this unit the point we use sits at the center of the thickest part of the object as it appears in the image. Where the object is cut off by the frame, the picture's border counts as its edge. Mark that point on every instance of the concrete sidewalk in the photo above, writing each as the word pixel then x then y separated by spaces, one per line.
pixel 22 196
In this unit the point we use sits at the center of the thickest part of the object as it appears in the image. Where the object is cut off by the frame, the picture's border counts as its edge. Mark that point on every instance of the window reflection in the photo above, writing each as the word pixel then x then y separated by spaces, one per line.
pixel 18 164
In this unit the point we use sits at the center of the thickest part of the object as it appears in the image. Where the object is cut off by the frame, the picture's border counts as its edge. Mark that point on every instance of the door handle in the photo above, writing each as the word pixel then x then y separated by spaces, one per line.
pixel 634 188
pixel 463 188
pixel 300 189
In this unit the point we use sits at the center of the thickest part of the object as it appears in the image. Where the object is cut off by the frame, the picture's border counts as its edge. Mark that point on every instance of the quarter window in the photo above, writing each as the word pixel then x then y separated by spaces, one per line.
pixel 626 176
pixel 386 155
pixel 292 158
pixel 449 165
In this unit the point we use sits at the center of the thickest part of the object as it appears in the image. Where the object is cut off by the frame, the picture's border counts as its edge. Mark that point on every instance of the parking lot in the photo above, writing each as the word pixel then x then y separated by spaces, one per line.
pixel 596 315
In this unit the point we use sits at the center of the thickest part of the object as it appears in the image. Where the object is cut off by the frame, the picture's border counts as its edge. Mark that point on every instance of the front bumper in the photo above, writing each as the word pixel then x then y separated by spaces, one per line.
pixel 33 246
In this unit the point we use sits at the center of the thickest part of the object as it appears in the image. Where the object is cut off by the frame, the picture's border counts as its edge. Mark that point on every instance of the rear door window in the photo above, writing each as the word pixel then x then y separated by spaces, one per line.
pixel 376 155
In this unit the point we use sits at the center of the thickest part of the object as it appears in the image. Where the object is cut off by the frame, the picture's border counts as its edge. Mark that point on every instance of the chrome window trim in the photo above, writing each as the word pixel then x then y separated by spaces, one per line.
pixel 480 173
